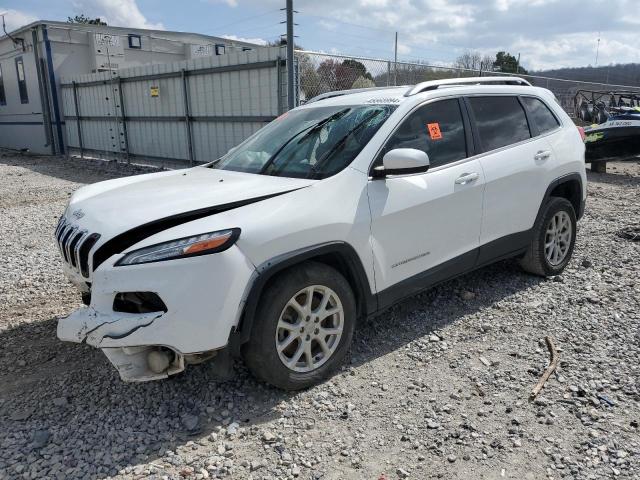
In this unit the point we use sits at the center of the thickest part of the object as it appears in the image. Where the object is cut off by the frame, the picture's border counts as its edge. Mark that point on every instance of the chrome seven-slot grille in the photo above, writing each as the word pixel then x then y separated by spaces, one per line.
pixel 75 245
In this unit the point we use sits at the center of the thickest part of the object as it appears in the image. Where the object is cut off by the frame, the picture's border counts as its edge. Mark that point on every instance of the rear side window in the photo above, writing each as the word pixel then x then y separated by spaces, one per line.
pixel 540 115
pixel 22 81
pixel 500 121
pixel 437 129
pixel 3 97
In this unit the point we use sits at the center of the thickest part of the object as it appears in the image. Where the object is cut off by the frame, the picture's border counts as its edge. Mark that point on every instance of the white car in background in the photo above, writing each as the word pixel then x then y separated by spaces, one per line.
pixel 332 212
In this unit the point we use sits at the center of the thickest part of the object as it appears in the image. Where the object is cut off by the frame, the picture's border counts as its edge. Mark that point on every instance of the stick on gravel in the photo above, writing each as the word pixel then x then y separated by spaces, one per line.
pixel 553 363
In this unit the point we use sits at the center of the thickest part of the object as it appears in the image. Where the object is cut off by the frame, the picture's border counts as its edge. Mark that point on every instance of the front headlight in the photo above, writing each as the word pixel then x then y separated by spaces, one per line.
pixel 203 244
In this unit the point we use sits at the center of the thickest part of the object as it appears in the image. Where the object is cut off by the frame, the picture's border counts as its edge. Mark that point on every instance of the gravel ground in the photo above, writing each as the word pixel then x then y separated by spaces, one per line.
pixel 436 387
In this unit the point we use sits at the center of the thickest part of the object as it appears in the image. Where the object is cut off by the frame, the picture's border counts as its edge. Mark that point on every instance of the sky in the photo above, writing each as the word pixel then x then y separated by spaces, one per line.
pixel 546 33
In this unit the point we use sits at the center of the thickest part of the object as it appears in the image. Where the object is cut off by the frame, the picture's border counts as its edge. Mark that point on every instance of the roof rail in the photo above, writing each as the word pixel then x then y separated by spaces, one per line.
pixel 339 93
pixel 450 82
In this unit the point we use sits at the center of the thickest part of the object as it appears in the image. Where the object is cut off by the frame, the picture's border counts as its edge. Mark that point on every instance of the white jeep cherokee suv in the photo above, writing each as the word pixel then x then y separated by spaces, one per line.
pixel 334 211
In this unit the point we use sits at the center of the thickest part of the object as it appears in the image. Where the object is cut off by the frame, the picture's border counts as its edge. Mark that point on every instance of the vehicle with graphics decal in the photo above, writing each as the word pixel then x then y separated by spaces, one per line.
pixel 332 212
pixel 615 131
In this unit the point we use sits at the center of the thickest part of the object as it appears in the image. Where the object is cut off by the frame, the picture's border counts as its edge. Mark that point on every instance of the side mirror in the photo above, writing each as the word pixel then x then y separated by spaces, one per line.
pixel 403 161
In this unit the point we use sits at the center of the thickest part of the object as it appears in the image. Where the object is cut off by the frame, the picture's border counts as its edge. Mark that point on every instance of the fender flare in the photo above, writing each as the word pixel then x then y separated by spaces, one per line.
pixel 559 181
pixel 366 300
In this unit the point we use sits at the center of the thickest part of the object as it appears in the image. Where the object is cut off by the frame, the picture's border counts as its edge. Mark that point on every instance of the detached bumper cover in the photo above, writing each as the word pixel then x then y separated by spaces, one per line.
pixel 87 324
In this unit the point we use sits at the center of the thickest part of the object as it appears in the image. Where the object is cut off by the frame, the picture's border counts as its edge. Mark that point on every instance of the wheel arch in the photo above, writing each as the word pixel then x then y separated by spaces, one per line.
pixel 567 186
pixel 338 255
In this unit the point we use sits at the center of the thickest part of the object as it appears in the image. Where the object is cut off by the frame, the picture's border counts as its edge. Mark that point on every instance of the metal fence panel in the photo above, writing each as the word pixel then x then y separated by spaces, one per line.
pixel 196 110
pixel 176 113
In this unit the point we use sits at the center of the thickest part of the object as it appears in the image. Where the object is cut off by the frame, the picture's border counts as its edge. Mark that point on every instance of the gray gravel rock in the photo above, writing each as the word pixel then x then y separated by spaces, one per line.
pixel 413 401
pixel 40 438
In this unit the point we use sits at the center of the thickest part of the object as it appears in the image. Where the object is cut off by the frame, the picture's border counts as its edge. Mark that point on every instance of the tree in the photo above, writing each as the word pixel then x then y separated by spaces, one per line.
pixel 336 75
pixel 474 61
pixel 310 84
pixel 469 60
pixel 486 65
pixel 507 63
pixel 82 18
pixel 327 74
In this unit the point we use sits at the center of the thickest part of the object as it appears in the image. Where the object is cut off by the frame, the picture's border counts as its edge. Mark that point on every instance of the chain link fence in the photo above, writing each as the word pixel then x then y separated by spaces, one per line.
pixel 320 73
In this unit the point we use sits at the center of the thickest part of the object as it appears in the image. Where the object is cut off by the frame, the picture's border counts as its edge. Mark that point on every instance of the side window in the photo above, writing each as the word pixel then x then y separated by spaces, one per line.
pixel 540 114
pixel 500 121
pixel 22 82
pixel 437 129
pixel 3 97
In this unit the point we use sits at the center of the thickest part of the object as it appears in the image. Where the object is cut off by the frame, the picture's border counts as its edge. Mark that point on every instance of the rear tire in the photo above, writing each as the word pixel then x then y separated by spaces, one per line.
pixel 553 240
pixel 303 328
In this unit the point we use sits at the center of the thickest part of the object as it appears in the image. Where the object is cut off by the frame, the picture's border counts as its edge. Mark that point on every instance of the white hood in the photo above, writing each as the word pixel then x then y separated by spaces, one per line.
pixel 114 206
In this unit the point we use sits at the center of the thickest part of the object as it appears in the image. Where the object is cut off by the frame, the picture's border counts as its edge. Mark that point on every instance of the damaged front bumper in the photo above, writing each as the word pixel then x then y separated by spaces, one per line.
pixel 203 296
pixel 99 329
pixel 103 331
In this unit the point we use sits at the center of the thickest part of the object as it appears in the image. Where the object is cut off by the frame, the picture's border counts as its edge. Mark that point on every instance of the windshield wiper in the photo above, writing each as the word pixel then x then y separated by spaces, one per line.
pixel 309 130
pixel 340 143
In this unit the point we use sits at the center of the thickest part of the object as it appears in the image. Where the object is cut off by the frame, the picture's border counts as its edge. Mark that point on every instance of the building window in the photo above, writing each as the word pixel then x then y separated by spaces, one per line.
pixel 219 49
pixel 135 41
pixel 3 97
pixel 22 82
pixel 246 49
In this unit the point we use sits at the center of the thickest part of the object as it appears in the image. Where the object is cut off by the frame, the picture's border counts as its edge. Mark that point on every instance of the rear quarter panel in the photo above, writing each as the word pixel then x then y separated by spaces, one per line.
pixel 567 146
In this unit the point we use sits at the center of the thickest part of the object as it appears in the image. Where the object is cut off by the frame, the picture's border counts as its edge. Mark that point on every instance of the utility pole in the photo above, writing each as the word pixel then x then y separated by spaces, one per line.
pixel 290 66
pixel 597 49
pixel 395 62
pixel 518 64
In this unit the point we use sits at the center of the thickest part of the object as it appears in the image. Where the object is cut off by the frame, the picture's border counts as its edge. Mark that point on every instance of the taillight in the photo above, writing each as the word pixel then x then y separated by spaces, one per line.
pixel 582 134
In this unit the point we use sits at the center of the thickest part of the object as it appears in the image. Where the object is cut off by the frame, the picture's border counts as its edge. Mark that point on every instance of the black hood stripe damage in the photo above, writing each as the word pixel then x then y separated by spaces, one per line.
pixel 121 242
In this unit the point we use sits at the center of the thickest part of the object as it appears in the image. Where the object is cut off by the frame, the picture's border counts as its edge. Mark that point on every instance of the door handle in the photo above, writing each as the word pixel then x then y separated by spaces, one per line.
pixel 542 155
pixel 467 178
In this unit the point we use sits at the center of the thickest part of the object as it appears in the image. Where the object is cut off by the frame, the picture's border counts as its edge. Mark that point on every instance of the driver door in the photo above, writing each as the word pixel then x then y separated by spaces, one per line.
pixel 426 227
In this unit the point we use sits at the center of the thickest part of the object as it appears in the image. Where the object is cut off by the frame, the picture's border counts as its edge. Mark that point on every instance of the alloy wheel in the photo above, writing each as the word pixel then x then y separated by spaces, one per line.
pixel 309 328
pixel 557 240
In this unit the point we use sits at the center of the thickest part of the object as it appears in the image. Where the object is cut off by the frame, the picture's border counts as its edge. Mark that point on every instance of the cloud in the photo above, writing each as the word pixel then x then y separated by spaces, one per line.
pixel 546 33
pixel 328 25
pixel 119 13
pixel 257 41
pixel 403 49
pixel 15 19
pixel 231 3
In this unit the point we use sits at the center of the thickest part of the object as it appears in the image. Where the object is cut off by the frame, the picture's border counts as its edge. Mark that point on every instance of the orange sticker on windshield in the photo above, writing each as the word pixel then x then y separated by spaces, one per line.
pixel 434 131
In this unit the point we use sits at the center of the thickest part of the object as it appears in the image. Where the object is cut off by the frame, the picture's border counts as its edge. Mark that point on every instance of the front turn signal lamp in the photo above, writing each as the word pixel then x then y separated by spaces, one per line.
pixel 203 244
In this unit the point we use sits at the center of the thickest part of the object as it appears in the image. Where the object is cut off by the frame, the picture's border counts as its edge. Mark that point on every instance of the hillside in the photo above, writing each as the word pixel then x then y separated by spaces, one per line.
pixel 621 74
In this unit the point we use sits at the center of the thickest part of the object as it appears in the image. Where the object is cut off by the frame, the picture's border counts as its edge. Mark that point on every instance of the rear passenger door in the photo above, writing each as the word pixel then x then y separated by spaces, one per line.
pixel 514 160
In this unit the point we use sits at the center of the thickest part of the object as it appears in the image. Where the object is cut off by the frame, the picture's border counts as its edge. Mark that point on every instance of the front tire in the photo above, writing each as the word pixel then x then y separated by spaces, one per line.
pixel 303 328
pixel 554 237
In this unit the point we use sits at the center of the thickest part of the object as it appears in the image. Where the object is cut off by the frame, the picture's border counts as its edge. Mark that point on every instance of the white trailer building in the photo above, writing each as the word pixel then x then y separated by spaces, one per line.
pixel 35 57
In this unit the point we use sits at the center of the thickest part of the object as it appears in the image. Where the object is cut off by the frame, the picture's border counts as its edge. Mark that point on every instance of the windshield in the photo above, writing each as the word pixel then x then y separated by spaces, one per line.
pixel 308 143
